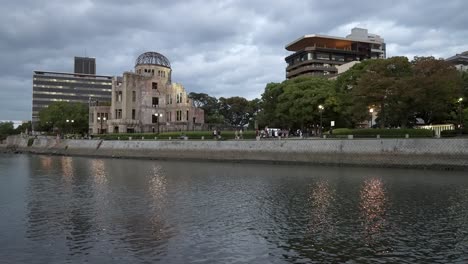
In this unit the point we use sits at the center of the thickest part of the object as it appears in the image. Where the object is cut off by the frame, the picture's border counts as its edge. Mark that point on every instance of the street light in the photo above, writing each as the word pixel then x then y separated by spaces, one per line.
pixel 101 119
pixel 371 111
pixel 320 107
pixel 460 126
pixel 70 121
pixel 158 115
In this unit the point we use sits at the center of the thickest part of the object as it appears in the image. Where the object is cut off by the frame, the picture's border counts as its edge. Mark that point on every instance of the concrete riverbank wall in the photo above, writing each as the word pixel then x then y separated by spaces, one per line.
pixel 419 153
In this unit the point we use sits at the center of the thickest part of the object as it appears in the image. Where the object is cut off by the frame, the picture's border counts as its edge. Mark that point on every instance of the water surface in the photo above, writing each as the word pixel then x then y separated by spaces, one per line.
pixel 75 210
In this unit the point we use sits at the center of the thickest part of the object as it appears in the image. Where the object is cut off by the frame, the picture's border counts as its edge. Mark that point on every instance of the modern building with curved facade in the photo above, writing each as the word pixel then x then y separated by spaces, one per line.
pixel 146 100
pixel 321 55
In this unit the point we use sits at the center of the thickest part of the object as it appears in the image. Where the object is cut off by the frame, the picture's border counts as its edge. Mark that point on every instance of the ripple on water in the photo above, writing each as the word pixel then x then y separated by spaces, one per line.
pixel 122 211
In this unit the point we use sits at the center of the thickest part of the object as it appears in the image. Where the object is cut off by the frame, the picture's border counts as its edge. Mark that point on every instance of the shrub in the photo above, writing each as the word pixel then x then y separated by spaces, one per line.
pixel 30 142
pixel 384 133
pixel 175 135
pixel 453 133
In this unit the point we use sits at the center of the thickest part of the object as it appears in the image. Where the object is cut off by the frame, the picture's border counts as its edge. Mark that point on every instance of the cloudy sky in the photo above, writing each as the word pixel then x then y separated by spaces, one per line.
pixel 222 47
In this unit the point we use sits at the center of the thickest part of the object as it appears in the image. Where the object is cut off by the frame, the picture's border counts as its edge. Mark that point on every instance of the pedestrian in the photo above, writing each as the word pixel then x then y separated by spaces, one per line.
pixel 241 134
pixel 236 135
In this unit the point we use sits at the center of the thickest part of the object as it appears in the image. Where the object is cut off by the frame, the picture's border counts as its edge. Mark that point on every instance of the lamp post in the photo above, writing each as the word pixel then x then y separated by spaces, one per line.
pixel 101 119
pixel 158 115
pixel 70 121
pixel 371 111
pixel 460 126
pixel 320 107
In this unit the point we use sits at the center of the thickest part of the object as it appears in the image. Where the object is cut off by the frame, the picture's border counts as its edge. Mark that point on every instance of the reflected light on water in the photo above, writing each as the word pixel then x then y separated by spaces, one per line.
pixel 157 185
pixel 157 188
pixel 373 205
pixel 67 168
pixel 321 198
pixel 98 170
pixel 46 162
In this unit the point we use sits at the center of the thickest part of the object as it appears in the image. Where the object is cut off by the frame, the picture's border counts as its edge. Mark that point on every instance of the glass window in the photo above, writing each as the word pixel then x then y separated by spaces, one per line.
pixel 323 56
pixel 133 114
pixel 155 86
pixel 133 96
pixel 155 101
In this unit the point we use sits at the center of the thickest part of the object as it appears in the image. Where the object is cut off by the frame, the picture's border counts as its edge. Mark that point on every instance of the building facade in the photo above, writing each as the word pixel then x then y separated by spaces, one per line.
pixel 460 61
pixel 319 55
pixel 85 65
pixel 146 100
pixel 50 87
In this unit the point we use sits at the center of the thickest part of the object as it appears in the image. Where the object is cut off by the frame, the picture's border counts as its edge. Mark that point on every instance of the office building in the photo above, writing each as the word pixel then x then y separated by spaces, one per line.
pixel 50 87
pixel 85 65
pixel 146 100
pixel 319 55
pixel 460 61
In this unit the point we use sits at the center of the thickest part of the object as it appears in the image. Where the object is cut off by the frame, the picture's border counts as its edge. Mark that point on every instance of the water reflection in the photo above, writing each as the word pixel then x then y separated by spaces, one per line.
pixel 67 169
pixel 128 211
pixel 373 207
pixel 321 198
pixel 46 162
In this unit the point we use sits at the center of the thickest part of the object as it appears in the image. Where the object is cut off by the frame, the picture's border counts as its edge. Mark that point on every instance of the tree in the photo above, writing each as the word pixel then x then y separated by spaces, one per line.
pixel 6 129
pixel 298 106
pixel 209 105
pixel 294 103
pixel 55 116
pixel 384 86
pixel 436 86
pixel 237 111
pixel 24 128
pixel 268 115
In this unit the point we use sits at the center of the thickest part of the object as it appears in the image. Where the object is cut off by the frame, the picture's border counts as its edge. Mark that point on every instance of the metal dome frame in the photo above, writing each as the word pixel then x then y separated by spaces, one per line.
pixel 152 58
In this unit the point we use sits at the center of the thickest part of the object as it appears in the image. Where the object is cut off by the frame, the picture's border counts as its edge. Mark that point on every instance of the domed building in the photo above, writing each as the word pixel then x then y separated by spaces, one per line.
pixel 146 101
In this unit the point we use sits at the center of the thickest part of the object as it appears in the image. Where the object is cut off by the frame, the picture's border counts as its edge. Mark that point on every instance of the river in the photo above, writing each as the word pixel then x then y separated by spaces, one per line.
pixel 60 209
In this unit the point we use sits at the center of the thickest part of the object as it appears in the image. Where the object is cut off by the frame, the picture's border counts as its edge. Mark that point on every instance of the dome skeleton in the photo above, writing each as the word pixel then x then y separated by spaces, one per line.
pixel 152 58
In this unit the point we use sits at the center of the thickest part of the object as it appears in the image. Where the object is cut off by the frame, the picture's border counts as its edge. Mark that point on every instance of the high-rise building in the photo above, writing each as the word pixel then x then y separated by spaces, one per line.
pixel 319 55
pixel 49 87
pixel 146 100
pixel 460 61
pixel 85 65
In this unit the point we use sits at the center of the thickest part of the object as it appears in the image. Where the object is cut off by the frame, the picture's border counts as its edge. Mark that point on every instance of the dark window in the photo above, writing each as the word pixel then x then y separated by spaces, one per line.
pixel 155 86
pixel 133 114
pixel 187 115
pixel 154 119
pixel 155 101
pixel 133 96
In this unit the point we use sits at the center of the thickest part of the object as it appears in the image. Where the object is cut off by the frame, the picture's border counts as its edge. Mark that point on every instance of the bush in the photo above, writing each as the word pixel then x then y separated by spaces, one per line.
pixel 30 142
pixel 384 133
pixel 176 135
pixel 454 133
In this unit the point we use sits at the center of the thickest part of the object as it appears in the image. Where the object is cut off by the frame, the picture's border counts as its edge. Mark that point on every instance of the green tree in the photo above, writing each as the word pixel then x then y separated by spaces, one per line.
pixel 383 86
pixel 435 87
pixel 268 114
pixel 56 115
pixel 294 103
pixel 24 128
pixel 6 129
pixel 237 111
pixel 298 106
pixel 209 105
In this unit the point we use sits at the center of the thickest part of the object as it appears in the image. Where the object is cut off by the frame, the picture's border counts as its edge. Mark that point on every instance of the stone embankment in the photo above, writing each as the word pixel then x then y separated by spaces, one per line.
pixel 413 153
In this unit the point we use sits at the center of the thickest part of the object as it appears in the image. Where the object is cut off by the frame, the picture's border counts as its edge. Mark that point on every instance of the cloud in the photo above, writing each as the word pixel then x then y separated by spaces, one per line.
pixel 224 48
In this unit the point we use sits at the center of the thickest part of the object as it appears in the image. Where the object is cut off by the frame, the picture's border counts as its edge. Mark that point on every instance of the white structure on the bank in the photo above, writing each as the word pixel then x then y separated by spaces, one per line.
pixel 146 101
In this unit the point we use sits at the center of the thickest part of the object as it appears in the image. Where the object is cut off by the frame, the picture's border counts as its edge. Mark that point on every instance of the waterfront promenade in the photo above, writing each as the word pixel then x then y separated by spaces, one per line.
pixel 412 153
